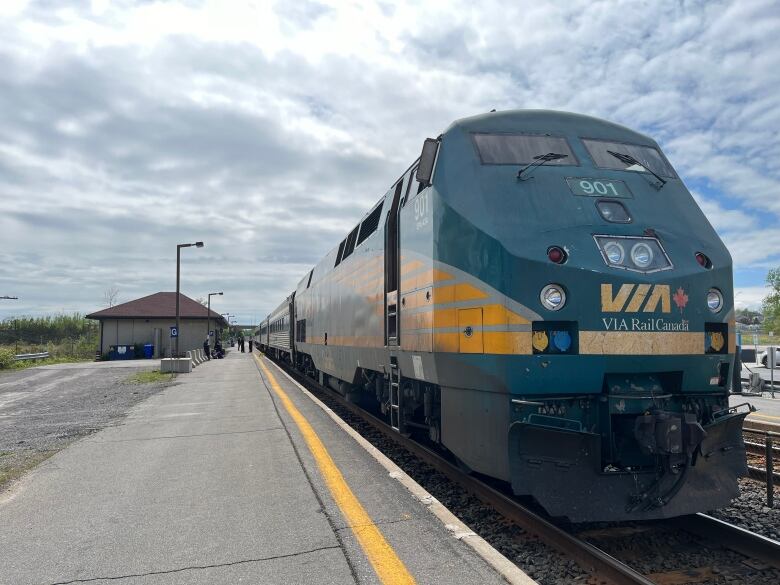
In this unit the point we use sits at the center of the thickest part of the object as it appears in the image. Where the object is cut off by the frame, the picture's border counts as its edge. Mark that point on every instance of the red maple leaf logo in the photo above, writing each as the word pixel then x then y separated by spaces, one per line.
pixel 680 299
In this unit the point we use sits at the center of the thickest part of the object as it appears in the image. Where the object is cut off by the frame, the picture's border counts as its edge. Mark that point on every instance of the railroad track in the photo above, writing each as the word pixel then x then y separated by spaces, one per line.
pixel 757 453
pixel 603 567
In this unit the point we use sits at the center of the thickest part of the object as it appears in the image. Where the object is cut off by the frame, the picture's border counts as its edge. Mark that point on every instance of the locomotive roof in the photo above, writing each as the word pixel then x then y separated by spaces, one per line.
pixel 547 121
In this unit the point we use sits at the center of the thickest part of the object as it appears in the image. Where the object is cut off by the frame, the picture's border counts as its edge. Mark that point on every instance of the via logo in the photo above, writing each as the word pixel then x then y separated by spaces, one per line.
pixel 632 298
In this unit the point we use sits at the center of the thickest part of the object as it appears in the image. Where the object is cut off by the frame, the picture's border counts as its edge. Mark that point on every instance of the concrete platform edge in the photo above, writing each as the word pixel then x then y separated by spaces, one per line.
pixel 760 425
pixel 502 565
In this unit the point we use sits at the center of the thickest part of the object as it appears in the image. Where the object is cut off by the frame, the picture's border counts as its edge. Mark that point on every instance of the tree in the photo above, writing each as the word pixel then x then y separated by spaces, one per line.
pixel 747 316
pixel 771 303
pixel 202 301
pixel 110 296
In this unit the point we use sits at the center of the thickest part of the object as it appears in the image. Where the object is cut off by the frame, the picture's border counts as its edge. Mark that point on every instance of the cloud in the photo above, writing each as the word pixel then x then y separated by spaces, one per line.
pixel 267 130
pixel 749 297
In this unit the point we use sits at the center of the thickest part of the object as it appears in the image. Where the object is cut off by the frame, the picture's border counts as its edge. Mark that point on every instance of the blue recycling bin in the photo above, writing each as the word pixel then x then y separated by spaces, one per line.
pixel 148 351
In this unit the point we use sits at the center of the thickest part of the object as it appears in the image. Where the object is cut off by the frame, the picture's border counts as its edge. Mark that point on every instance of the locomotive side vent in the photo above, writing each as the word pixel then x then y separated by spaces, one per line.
pixel 349 247
pixel 370 224
pixel 340 252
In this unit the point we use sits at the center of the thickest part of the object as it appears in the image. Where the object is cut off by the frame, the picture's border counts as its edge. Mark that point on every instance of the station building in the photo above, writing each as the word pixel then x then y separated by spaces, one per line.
pixel 148 320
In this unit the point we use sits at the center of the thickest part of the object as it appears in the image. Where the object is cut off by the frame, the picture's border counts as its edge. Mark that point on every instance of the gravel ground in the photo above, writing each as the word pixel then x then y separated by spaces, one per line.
pixel 42 410
pixel 749 510
pixel 658 548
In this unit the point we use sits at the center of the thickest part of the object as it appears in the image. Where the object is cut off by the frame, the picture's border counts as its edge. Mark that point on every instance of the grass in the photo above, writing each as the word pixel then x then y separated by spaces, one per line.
pixel 46 362
pixel 13 467
pixel 763 338
pixel 152 377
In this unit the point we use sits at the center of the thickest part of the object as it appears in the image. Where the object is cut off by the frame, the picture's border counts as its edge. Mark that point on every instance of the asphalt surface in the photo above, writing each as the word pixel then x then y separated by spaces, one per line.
pixel 768 408
pixel 210 482
pixel 44 409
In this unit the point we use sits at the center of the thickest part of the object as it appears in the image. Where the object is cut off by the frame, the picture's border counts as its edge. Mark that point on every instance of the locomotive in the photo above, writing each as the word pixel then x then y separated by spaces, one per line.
pixel 540 295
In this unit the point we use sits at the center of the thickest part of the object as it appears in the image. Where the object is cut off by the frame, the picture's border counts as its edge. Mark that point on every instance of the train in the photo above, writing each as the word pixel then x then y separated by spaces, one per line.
pixel 539 295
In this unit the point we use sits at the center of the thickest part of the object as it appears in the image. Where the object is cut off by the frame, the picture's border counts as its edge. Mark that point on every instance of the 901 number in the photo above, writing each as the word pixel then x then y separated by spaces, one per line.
pixel 598 187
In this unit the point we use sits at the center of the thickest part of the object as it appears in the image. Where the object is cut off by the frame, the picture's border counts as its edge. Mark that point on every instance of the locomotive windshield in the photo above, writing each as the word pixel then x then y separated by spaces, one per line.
pixel 522 149
pixel 645 158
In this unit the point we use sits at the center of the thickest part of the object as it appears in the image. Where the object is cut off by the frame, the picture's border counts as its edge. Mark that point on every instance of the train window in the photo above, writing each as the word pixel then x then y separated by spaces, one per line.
pixel 350 245
pixel 649 158
pixel 522 149
pixel 340 252
pixel 370 224
pixel 613 211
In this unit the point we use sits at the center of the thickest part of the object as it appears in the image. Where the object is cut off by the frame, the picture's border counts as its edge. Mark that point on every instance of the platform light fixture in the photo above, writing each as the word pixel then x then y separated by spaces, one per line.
pixel 208 317
pixel 178 272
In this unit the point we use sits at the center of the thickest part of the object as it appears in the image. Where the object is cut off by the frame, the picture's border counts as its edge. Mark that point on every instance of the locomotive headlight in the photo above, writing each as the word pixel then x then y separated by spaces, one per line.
pixel 641 255
pixel 615 252
pixel 637 253
pixel 714 300
pixel 552 297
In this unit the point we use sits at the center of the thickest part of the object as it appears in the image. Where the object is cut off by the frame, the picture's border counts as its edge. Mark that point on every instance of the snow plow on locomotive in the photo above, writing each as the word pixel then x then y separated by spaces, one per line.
pixel 540 294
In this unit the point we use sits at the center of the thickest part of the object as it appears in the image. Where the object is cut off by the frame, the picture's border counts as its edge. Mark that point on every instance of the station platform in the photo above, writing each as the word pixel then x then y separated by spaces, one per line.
pixel 232 475
pixel 767 415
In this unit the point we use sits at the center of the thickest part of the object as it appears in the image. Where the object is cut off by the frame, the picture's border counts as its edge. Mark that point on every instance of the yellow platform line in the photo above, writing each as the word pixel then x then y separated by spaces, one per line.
pixel 389 568
pixel 765 416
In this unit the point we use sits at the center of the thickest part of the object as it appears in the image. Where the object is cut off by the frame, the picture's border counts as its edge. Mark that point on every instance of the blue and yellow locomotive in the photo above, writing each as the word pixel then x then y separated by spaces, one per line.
pixel 540 294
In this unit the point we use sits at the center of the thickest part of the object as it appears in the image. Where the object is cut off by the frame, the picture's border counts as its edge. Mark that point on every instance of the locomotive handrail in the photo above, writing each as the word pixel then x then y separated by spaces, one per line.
pixel 527 402
pixel 640 396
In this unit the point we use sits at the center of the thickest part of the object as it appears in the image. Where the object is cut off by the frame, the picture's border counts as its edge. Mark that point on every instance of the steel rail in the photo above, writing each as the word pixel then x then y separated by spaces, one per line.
pixel 587 556
pixel 760 449
pixel 743 541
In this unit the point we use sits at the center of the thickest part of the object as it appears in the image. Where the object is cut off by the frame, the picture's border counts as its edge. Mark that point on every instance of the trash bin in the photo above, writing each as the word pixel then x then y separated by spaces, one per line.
pixel 148 350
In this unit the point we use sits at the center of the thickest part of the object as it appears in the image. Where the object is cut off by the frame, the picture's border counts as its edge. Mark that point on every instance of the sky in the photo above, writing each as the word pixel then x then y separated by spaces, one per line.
pixel 267 129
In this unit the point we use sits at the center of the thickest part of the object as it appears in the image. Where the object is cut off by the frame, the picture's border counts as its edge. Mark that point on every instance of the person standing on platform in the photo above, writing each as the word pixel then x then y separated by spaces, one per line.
pixel 250 345
pixel 206 348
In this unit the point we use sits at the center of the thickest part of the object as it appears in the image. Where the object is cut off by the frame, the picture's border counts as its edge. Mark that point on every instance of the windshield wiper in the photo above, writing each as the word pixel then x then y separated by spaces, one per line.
pixel 539 160
pixel 630 160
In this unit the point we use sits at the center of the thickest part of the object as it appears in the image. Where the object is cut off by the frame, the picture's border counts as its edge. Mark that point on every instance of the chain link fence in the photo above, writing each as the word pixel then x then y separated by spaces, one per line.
pixel 64 336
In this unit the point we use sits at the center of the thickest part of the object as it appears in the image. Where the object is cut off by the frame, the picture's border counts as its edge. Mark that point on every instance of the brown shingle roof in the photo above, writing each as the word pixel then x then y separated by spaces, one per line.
pixel 161 305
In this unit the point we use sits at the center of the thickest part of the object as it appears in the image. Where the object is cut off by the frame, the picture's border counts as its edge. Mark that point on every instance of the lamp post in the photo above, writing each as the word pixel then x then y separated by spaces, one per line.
pixel 178 262
pixel 227 320
pixel 208 318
